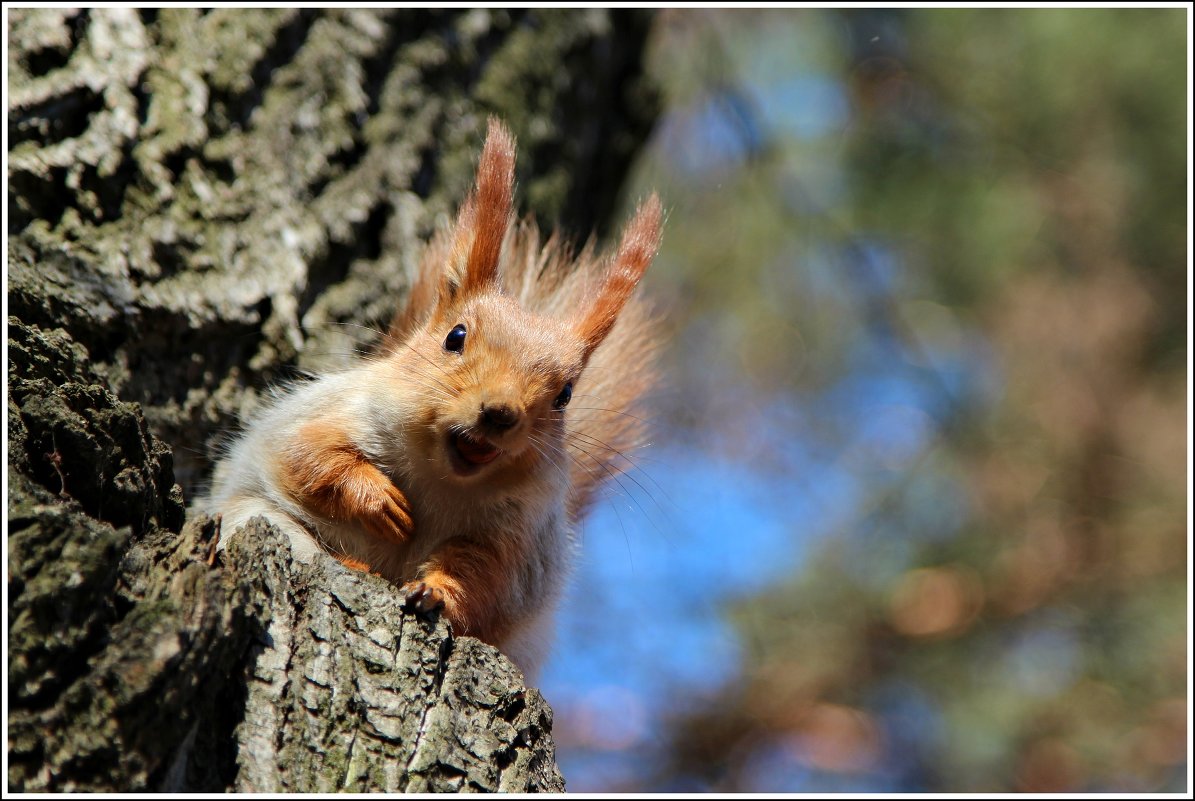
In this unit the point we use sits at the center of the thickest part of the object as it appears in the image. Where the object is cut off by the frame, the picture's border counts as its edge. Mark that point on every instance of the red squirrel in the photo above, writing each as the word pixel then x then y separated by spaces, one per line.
pixel 458 459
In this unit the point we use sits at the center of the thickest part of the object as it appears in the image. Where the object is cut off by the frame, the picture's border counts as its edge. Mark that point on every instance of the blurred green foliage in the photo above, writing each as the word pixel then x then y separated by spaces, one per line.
pixel 1006 611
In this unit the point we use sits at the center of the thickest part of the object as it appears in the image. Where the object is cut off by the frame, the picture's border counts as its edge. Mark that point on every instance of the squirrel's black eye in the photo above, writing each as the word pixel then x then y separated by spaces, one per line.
pixel 564 397
pixel 455 341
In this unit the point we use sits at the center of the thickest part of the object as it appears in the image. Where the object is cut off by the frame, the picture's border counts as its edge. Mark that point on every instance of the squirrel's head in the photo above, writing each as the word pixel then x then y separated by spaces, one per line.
pixel 495 379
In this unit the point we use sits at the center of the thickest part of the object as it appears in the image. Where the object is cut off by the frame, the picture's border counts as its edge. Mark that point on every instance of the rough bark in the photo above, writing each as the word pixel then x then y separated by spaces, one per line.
pixel 201 204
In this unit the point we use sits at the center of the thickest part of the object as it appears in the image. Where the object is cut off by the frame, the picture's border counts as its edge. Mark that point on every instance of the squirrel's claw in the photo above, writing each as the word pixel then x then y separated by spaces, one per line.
pixel 422 598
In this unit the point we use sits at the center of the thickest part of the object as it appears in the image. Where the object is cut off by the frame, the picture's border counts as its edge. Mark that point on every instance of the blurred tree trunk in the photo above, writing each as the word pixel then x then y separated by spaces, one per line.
pixel 200 202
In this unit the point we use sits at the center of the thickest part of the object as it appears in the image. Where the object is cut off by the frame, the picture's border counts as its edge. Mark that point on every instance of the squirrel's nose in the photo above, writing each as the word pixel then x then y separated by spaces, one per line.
pixel 499 417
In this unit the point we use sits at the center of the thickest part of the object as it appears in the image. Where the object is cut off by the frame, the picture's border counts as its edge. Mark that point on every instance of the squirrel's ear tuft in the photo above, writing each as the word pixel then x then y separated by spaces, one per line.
pixel 639 245
pixel 485 217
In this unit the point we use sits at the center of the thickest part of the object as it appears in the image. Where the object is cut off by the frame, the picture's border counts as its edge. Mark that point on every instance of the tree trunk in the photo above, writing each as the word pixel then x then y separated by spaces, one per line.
pixel 202 203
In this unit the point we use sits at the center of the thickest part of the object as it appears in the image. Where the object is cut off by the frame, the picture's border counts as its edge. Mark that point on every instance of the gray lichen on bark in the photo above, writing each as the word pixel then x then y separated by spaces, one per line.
pixel 201 204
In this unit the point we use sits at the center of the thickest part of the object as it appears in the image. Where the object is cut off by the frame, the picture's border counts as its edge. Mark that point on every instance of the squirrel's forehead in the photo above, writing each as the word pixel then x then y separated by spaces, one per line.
pixel 502 323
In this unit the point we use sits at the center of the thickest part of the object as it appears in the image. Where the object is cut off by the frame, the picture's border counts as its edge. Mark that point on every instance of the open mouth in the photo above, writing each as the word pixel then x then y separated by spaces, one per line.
pixel 468 453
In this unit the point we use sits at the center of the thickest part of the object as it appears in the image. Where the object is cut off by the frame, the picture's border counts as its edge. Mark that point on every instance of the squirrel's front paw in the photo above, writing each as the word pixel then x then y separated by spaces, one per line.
pixel 422 597
pixel 388 516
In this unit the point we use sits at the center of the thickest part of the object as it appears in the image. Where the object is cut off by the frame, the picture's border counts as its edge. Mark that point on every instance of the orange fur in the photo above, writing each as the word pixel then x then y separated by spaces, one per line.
pixel 353 564
pixel 324 472
pixel 596 296
pixel 466 257
pixel 606 425
pixel 638 247
pixel 492 201
pixel 471 578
